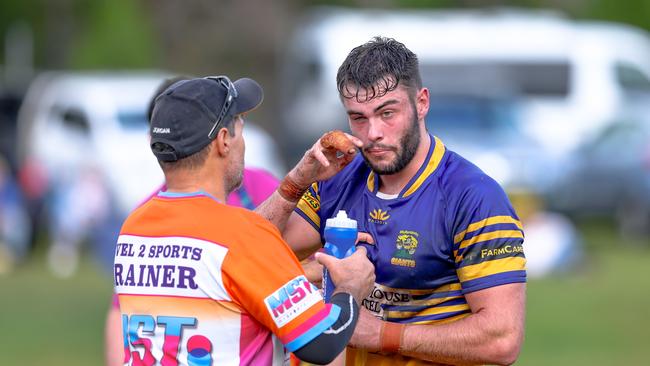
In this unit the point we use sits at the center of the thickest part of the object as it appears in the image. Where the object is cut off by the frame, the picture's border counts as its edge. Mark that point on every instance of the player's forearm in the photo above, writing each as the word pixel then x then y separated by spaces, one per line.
pixel 481 338
pixel 277 210
pixel 278 207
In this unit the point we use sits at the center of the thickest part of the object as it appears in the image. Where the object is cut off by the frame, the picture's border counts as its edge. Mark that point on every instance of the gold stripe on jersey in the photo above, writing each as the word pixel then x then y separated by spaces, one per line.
pixel 432 302
pixel 498 234
pixel 487 222
pixel 483 269
pixel 425 312
pixel 307 207
pixel 371 182
pixel 434 161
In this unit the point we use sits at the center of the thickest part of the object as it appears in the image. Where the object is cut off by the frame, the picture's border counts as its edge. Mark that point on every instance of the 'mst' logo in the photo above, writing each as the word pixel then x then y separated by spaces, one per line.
pixel 291 300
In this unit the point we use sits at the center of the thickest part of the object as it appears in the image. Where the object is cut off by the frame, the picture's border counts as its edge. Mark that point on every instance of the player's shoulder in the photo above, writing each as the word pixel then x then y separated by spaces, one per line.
pixel 462 178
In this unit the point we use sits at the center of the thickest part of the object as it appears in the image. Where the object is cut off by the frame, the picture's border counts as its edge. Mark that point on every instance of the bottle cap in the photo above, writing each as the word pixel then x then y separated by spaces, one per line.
pixel 341 220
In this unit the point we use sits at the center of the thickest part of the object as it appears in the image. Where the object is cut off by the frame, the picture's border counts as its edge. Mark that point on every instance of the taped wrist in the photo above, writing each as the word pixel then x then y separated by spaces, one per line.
pixel 390 336
pixel 290 190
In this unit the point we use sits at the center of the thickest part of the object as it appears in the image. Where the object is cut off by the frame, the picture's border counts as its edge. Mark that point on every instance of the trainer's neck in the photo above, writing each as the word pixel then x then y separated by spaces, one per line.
pixel 395 183
pixel 194 180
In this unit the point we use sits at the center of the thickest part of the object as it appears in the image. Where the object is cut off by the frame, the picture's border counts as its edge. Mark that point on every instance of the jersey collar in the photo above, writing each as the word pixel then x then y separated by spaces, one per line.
pixel 168 194
pixel 429 166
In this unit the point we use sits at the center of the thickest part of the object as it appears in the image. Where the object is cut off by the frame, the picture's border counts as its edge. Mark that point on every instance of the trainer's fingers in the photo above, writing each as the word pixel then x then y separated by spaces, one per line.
pixel 325 259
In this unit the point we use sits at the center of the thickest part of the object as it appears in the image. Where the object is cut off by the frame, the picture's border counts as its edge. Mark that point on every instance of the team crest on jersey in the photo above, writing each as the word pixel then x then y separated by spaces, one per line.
pixel 378 216
pixel 406 244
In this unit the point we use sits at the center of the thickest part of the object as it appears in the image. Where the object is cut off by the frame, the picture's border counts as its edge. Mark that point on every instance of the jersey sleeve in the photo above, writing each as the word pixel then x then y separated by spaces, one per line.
pixel 309 206
pixel 487 238
pixel 267 281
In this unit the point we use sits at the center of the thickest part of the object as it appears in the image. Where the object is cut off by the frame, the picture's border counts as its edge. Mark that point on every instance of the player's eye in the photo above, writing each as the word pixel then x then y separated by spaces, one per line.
pixel 387 114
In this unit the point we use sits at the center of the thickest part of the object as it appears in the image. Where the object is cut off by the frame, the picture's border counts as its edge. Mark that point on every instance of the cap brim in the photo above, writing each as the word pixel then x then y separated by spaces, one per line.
pixel 250 95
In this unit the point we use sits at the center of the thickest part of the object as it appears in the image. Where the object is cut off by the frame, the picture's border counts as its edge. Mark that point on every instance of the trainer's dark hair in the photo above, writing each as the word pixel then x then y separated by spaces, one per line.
pixel 378 67
pixel 191 162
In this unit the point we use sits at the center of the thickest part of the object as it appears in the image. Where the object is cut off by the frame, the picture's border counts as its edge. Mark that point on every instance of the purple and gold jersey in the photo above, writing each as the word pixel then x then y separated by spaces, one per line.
pixel 451 231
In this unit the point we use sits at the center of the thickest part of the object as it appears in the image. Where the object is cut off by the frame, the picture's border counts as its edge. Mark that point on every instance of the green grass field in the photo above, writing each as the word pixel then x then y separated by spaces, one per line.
pixel 597 315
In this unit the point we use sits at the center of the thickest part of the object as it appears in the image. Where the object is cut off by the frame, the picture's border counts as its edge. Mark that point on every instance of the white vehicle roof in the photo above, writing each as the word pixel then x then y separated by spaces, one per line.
pixel 453 35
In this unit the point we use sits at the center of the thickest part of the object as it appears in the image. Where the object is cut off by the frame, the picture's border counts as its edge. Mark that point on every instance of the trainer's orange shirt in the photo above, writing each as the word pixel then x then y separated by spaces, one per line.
pixel 200 282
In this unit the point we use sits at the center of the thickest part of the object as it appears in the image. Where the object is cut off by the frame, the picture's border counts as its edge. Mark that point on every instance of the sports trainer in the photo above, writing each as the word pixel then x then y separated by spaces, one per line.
pixel 200 282
pixel 448 256
pixel 257 185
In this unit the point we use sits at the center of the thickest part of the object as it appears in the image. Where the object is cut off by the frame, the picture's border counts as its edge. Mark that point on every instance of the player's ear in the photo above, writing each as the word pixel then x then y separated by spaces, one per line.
pixel 422 103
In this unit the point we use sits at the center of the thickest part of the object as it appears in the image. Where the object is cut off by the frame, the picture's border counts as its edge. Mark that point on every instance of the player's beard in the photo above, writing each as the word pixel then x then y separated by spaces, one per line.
pixel 404 152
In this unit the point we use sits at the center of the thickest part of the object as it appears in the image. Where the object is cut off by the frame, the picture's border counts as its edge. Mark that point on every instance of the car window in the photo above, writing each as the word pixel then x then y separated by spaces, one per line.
pixel 529 79
pixel 73 119
pixel 470 115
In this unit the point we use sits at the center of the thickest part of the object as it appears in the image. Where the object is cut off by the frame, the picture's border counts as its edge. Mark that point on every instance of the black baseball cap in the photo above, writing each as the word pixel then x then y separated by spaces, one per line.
pixel 187 115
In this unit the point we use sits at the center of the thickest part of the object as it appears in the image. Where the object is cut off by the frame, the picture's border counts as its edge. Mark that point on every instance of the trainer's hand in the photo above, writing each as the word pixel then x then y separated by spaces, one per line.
pixel 331 153
pixel 354 274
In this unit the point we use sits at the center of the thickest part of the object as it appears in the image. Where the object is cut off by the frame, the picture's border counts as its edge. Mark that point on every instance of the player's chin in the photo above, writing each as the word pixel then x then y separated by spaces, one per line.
pixel 382 167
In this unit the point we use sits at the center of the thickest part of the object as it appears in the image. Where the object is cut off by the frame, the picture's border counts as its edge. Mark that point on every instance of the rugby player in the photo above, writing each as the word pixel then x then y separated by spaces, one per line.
pixel 449 264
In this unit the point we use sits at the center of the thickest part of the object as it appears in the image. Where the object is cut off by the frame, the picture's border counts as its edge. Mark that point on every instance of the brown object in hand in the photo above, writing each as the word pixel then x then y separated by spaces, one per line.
pixel 337 140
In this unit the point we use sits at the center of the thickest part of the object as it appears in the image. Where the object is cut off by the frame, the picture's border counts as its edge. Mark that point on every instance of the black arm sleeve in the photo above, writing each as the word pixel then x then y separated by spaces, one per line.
pixel 324 348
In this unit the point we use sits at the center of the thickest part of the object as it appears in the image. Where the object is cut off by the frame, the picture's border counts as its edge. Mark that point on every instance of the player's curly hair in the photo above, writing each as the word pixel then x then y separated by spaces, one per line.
pixel 378 67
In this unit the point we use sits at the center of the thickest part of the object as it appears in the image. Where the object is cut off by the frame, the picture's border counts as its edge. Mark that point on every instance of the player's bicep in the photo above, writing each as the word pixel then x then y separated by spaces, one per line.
pixel 301 236
pixel 505 305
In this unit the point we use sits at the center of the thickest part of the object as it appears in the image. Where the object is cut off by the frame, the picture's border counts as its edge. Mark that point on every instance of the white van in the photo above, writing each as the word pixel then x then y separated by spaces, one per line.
pixel 569 77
